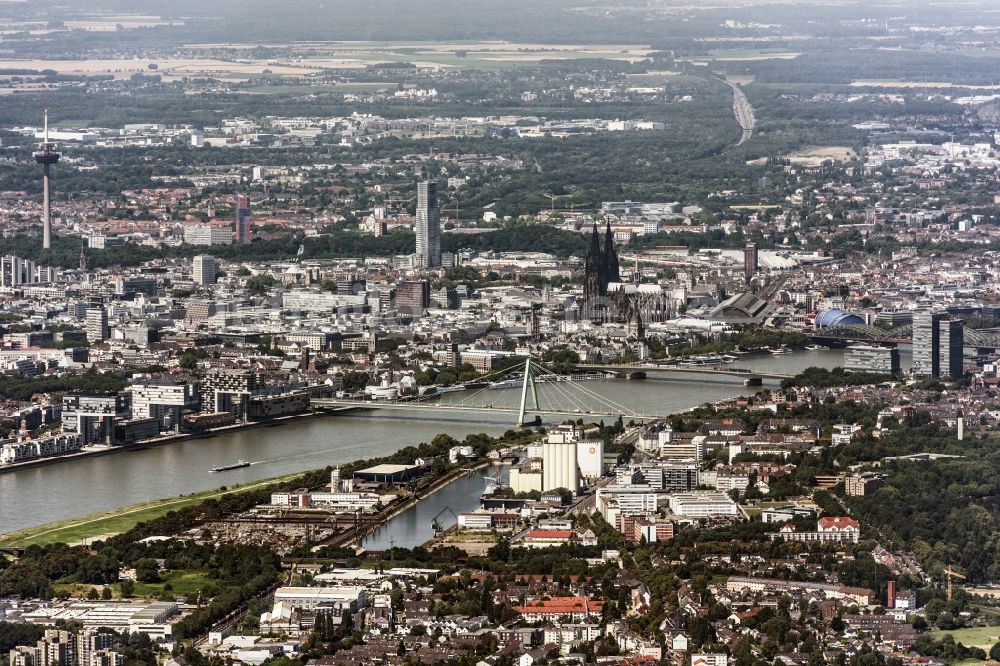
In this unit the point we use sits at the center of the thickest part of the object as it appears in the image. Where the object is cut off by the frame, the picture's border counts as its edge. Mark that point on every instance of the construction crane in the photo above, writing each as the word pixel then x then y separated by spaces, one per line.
pixel 438 525
pixel 949 574
pixel 397 203
pixel 552 200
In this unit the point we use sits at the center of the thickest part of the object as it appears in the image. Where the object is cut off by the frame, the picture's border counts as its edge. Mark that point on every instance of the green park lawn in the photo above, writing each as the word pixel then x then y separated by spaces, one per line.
pixel 183 583
pixel 983 637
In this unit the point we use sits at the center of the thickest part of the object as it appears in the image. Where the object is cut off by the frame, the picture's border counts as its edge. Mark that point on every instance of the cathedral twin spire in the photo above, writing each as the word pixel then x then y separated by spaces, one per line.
pixel 601 267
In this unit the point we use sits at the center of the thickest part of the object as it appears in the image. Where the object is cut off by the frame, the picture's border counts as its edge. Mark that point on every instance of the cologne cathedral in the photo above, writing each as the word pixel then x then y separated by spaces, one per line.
pixel 601 267
pixel 606 299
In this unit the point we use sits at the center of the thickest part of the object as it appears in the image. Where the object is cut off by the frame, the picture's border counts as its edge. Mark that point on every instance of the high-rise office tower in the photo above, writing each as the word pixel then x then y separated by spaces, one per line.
pixel 926 344
pixel 937 345
pixel 204 269
pixel 242 214
pixel 15 271
pixel 750 261
pixel 413 298
pixel 428 225
pixel 951 338
pixel 46 156
pixel 97 321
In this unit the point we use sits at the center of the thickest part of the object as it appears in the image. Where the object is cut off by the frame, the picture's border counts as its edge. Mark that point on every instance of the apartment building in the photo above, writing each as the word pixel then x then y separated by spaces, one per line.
pixel 208 234
pixel 702 504
pixel 164 401
pixel 92 415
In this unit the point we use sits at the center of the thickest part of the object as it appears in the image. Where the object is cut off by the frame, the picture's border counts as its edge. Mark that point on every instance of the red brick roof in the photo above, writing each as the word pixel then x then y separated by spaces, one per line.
pixel 561 606
pixel 545 577
pixel 838 522
pixel 549 534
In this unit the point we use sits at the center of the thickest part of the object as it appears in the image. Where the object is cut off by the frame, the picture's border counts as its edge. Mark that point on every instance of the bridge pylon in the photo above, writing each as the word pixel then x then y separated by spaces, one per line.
pixel 527 383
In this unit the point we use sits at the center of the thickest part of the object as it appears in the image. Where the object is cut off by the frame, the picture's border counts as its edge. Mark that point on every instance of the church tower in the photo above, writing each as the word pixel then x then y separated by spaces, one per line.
pixel 636 330
pixel 593 269
pixel 612 271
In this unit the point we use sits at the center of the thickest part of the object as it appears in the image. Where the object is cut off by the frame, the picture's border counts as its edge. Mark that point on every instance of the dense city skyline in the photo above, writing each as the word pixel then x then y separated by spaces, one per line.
pixel 499 333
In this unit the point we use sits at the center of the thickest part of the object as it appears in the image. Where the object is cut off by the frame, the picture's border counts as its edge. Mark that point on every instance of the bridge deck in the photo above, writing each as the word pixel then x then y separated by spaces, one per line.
pixel 344 405
pixel 697 369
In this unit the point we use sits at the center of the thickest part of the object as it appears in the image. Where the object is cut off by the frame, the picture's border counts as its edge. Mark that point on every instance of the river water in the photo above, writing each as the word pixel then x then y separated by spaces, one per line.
pixel 415 526
pixel 45 494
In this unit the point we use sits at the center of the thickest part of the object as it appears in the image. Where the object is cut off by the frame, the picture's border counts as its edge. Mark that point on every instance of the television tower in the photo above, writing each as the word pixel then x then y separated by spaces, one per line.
pixel 46 156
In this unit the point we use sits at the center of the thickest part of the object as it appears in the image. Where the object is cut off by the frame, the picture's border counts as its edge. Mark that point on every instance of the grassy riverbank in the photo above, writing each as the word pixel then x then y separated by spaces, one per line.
pixel 115 521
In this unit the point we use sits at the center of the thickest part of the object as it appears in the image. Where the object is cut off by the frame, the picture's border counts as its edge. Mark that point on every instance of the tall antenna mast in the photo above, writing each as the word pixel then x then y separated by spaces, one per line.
pixel 46 156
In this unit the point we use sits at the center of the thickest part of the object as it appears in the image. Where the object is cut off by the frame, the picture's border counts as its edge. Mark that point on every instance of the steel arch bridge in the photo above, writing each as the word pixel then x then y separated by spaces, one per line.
pixel 973 337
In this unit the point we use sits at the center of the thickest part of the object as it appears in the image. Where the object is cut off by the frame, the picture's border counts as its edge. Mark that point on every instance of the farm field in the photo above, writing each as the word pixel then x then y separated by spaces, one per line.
pixel 167 67
pixel 896 83
pixel 815 156
pixel 475 55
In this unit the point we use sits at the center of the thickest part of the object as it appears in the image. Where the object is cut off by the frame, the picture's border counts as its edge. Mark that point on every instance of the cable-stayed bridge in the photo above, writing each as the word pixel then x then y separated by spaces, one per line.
pixel 542 392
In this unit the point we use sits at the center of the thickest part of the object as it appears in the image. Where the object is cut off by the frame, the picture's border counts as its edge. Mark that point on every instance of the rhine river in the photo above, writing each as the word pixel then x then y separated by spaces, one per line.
pixel 64 490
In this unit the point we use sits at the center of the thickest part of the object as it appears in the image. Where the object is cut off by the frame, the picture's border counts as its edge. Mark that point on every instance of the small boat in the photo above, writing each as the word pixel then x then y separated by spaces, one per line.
pixel 450 389
pixel 572 378
pixel 507 384
pixel 236 465
pixel 815 347
pixel 703 360
pixel 782 350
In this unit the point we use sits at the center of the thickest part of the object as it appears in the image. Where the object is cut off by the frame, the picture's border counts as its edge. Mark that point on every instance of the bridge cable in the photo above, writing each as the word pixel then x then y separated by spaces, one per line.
pixel 571 400
pixel 557 379
pixel 496 375
pixel 601 400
